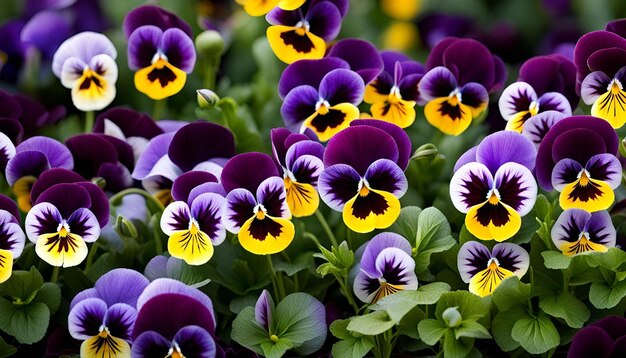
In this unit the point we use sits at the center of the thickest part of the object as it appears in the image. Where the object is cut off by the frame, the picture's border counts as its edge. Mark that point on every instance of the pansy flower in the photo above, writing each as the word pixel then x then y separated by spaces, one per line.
pixel 577 231
pixel 494 185
pixel 536 127
pixel 64 219
pixel 393 94
pixel 303 33
pixel 103 317
pixel 600 58
pixel 85 63
pixel 160 50
pixel 256 204
pixel 578 157
pixel 386 267
pixel 34 156
pixel 300 160
pixel 325 110
pixel 193 222
pixel 173 320
pixel 12 237
pixel 460 75
pixel 262 7
pixel 484 270
pixel 365 181
pixel 604 338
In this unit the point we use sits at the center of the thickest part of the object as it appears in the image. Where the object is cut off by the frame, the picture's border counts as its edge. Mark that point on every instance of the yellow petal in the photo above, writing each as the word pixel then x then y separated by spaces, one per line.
pixel 6 265
pixel 21 189
pixel 302 198
pixel 92 92
pixel 516 123
pixel 266 236
pixel 386 289
pixel 193 246
pixel 365 218
pixel 372 94
pixel 400 113
pixel 611 107
pixel 334 120
pixel 105 346
pixel 164 196
pixel 290 5
pixel 160 80
pixel 491 231
pixel 57 250
pixel 437 115
pixel 595 196
pixel 291 44
pixel 486 281
pixel 258 7
pixel 580 246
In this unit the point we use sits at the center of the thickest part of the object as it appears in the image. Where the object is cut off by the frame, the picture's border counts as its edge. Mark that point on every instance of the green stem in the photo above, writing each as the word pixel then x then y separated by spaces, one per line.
pixel 210 73
pixel 343 284
pixel 145 194
pixel 91 255
pixel 159 109
pixel 326 228
pixel 55 274
pixel 89 119
pixel 277 280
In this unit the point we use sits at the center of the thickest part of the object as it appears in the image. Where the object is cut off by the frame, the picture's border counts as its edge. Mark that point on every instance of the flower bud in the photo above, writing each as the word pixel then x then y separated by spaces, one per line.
pixel 210 44
pixel 125 228
pixel 426 151
pixel 452 317
pixel 207 98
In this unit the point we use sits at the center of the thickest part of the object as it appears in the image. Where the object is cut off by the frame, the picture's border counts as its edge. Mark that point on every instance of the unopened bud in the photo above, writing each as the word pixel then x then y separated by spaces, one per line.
pixel 207 98
pixel 125 228
pixel 210 44
pixel 452 317
pixel 427 151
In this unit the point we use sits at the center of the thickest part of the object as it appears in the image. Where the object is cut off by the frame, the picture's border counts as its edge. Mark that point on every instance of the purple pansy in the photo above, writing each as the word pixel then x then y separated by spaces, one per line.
pixel 103 317
pixel 12 237
pixel 603 339
pixel 386 267
pixel 577 231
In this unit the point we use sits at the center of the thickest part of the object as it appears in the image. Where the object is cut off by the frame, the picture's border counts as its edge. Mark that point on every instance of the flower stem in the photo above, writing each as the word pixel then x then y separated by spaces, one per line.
pixel 145 194
pixel 159 109
pixel 55 274
pixel 277 280
pixel 91 255
pixel 89 119
pixel 326 228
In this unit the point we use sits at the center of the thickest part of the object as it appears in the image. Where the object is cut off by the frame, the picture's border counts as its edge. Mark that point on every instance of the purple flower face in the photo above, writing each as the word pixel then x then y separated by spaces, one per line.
pixel 603 338
pixel 12 237
pixel 577 231
pixel 325 110
pixel 303 33
pixel 160 50
pixel 174 320
pixel 64 219
pixel 365 182
pixel 393 94
pixel 485 270
pixel 300 161
pixel 256 206
pixel 386 268
pixel 103 317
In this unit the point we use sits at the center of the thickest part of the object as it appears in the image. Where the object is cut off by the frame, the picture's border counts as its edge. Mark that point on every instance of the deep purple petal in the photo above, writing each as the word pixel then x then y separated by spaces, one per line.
pixel 200 141
pixel 150 344
pixel 470 186
pixel 385 175
pixel 179 49
pixel 121 286
pixel 298 105
pixel 337 184
pixel 299 149
pixel 46 31
pixel 324 19
pixel 51 177
pixel 342 86
pixel 153 15
pixel 99 202
pixel 86 317
pixel 506 146
pixel 120 319
pixel 247 171
pixel 565 172
pixel 517 187
pixel 473 257
pixel 590 342
pixel 590 43
pixel 608 60
pixel 208 209
pixel 67 198
pixel 307 72
pixel 143 44
pixel 272 195
pixel 130 122
pixel 58 155
pixel 551 73
pixel 472 60
pixel 377 244
pixel 240 204
pixel 27 163
pixel 216 188
pixel 279 149
pixel 185 183
pixel 116 176
pixel 90 151
pixel 195 341
pixel 399 135
pixel 10 107
pixel 474 95
pixel 438 82
pixel 7 204
pixel 511 257
pixel 362 56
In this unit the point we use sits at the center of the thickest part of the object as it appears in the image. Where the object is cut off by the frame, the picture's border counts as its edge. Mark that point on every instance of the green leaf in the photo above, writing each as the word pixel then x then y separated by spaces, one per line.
pixel 408 325
pixel 371 324
pixel 603 296
pixel 351 345
pixel 431 331
pixel 22 285
pixel 511 292
pixel 406 224
pixel 453 347
pixel 613 259
pixel 502 326
pixel 247 332
pixel 471 329
pixel 536 335
pixel 469 305
pixel 27 323
pixel 276 349
pixel 6 350
pixel 399 304
pixel 555 260
pixel 567 307
pixel 433 235
pixel 301 319
pixel 50 295
pixel 302 262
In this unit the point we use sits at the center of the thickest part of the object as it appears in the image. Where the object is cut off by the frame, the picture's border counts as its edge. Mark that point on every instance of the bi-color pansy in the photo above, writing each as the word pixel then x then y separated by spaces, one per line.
pixel 256 204
pixel 193 222
pixel 365 181
pixel 160 50
pixel 64 219
pixel 85 63
pixel 300 160
pixel 484 270
pixel 103 317
pixel 494 185
pixel 303 33
pixel 327 109
pixel 393 94
pixel 386 267
pixel 577 231
pixel 578 157
pixel 173 320
pixel 12 237
pixel 460 75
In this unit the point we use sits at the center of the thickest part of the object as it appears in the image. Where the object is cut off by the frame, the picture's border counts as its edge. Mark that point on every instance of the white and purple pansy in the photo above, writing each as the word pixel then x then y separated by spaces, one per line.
pixel 12 238
pixel 103 317
pixel 193 222
pixel 325 110
pixel 173 320
pixel 300 160
pixel 386 267
pixel 577 231
pixel 256 204
pixel 494 185
pixel 362 181
pixel 64 219
pixel 484 270
pixel 85 63
pixel 519 102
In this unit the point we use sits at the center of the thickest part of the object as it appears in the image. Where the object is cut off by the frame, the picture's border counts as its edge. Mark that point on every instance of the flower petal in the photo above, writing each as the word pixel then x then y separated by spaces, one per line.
pixel 240 204
pixel 593 86
pixel 86 317
pixel 376 210
pixel 263 310
pixel 83 223
pixel 361 55
pixel 342 86
pixel 399 135
pixel 176 217
pixel 554 101
pixel 194 341
pixel 266 236
pixel 376 245
pixel 473 257
pixel 307 72
pixel 470 186
pixel 247 171
pixel 143 44
pixel 120 319
pixel 85 46
pixel 536 127
pixel 517 187
pixel 184 184
pixel 605 167
pixel 506 146
pixel 438 82
pixel 299 104
pixel 512 257
pixel 601 230
pixel 290 46
pixel 338 184
pixel 565 171
pixel 304 160
pixel 179 49
pixel 155 150
pixel 385 175
pixel 121 285
pixel 393 265
pixel 489 221
pixel 153 15
pixel 43 218
pixel 150 344
pixel 61 251
pixel 517 97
